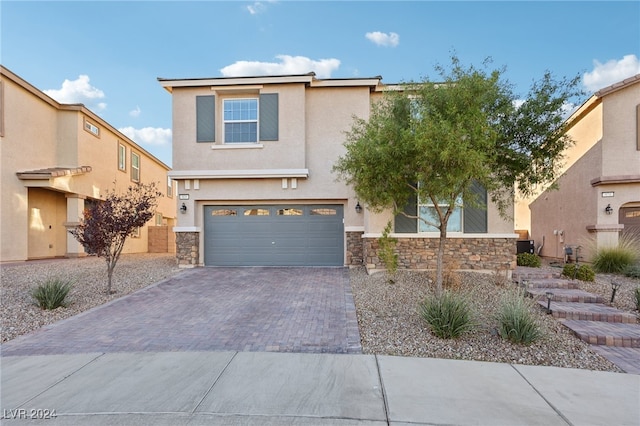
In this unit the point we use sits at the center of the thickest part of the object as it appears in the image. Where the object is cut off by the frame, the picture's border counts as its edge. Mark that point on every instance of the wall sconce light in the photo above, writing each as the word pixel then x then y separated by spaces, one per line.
pixel 358 207
pixel 549 297
pixel 614 287
pixel 608 209
pixel 183 209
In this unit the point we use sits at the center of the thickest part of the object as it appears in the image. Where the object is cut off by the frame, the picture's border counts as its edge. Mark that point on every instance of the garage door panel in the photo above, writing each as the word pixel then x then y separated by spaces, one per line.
pixel 289 235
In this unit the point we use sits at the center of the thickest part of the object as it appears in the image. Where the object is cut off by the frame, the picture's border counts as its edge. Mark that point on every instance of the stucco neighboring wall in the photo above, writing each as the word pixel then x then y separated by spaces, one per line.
pixel 40 133
pixel 621 155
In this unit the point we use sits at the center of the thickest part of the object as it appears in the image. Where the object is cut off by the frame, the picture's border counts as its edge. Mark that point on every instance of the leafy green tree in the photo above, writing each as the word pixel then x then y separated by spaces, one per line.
pixel 436 140
pixel 107 224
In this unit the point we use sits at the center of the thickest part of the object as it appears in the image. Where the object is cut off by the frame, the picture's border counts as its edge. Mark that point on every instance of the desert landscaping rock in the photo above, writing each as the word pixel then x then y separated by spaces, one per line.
pixel 387 312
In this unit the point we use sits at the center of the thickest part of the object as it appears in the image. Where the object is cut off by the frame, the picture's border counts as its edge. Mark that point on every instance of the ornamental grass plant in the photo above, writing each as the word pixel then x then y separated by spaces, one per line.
pixel 448 314
pixel 52 294
pixel 517 321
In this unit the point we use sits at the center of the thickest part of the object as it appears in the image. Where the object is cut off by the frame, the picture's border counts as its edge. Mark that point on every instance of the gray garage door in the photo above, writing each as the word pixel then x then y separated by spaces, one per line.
pixel 266 235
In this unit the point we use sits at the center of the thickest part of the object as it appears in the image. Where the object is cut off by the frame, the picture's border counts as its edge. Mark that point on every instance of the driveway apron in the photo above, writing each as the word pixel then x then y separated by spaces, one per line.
pixel 272 309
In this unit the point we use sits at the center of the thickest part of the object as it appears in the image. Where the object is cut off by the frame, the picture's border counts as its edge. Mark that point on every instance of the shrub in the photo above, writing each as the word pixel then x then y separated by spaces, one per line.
pixel 386 250
pixel 636 293
pixel 516 320
pixel 529 259
pixel 613 259
pixel 617 258
pixel 632 271
pixel 51 294
pixel 581 272
pixel 448 315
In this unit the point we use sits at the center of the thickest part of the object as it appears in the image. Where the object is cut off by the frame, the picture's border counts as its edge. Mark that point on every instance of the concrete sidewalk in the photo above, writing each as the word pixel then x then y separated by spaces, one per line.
pixel 267 388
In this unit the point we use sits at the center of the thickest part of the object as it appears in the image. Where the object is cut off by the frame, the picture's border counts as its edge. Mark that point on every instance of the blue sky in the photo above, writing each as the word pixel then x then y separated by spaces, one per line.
pixel 109 54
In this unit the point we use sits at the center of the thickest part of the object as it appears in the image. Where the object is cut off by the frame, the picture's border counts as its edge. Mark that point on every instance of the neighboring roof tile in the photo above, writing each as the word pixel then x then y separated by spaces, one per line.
pixel 53 172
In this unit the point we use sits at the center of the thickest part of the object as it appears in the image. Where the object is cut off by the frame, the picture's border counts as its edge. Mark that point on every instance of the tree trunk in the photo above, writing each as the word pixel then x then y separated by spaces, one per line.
pixel 440 260
pixel 110 268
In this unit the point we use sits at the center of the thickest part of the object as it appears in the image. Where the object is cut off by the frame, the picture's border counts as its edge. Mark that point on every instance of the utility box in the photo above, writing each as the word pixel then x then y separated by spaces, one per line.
pixel 525 246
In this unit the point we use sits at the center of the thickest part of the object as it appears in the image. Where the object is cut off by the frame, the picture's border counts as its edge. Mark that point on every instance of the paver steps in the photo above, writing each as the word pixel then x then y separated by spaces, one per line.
pixel 614 333
pixel 566 295
pixel 588 312
pixel 606 333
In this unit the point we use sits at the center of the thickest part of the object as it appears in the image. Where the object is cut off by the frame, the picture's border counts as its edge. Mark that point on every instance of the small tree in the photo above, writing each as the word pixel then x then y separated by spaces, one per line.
pixel 435 141
pixel 107 224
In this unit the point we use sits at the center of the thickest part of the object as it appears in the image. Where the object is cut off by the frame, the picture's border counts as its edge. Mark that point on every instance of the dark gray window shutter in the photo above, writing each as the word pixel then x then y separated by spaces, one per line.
pixel 475 218
pixel 269 117
pixel 206 118
pixel 406 225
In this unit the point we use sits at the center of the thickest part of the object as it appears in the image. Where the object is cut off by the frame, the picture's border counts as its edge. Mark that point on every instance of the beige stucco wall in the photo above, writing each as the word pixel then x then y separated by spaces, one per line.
pixel 311 137
pixel 39 133
pixel 605 148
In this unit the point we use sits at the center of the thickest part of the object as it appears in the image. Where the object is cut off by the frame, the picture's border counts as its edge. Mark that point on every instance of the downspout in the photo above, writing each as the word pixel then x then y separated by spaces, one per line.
pixel 540 246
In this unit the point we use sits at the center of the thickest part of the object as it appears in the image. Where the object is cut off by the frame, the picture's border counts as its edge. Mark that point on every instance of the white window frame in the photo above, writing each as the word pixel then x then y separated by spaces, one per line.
pixel 122 157
pixel 169 187
pixel 225 121
pixel 135 168
pixel 91 128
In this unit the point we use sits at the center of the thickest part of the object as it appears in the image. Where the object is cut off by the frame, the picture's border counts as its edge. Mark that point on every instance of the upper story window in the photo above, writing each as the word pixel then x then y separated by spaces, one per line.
pixel 243 120
pixel 122 157
pixel 91 128
pixel 169 187
pixel 135 167
pixel 240 120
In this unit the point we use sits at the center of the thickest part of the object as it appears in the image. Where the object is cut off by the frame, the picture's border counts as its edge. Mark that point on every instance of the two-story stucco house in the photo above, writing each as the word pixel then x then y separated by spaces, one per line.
pixel 253 159
pixel 57 157
pixel 598 195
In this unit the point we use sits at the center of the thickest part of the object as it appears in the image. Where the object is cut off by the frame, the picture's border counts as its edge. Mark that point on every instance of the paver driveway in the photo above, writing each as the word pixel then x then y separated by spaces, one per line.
pixel 240 309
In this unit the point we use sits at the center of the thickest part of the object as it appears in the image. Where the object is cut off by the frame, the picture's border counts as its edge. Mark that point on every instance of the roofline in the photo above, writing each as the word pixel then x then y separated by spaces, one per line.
pixel 618 86
pixel 5 72
pixel 309 79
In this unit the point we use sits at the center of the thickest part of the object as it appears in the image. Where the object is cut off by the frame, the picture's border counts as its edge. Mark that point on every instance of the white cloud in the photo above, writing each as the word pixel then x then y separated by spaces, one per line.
pixel 288 65
pixel 148 135
pixel 256 7
pixel 136 112
pixel 383 39
pixel 79 91
pixel 612 71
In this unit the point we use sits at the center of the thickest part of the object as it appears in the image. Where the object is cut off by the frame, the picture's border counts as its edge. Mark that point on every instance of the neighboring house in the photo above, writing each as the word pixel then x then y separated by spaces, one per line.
pixel 598 195
pixel 253 159
pixel 55 159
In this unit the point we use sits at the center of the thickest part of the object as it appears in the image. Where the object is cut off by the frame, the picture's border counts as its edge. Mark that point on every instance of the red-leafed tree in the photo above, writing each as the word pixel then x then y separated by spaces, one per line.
pixel 106 224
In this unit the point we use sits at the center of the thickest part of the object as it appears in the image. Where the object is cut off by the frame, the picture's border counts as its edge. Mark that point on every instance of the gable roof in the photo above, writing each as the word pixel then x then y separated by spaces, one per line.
pixel 618 86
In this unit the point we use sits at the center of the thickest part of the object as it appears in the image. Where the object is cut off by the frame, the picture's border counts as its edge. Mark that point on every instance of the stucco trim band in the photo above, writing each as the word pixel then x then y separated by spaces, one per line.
pixel 239 174
pixel 610 180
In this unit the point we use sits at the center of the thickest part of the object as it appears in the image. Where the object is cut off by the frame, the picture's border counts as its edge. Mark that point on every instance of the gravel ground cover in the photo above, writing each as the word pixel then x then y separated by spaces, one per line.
pixel 387 313
pixel 390 324
pixel 89 278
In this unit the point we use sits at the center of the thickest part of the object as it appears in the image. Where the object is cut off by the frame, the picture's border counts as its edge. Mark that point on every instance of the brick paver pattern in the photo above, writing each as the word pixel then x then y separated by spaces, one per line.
pixel 274 309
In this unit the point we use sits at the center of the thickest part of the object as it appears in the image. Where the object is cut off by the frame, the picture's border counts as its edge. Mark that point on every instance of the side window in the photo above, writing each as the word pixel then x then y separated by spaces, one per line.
pixel 135 167
pixel 122 157
pixel 169 187
pixel 91 128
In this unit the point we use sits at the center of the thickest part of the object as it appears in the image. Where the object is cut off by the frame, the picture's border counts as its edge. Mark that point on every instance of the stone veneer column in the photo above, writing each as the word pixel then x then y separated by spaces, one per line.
pixel 187 249
pixel 354 248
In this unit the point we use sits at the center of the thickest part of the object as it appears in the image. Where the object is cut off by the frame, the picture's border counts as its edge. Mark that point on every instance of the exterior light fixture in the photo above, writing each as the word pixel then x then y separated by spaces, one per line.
pixel 358 207
pixel 549 297
pixel 608 209
pixel 183 209
pixel 614 287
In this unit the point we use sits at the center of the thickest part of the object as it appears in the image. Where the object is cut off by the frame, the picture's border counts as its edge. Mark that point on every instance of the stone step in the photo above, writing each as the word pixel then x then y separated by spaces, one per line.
pixel 526 273
pixel 605 333
pixel 553 283
pixel 566 295
pixel 588 312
